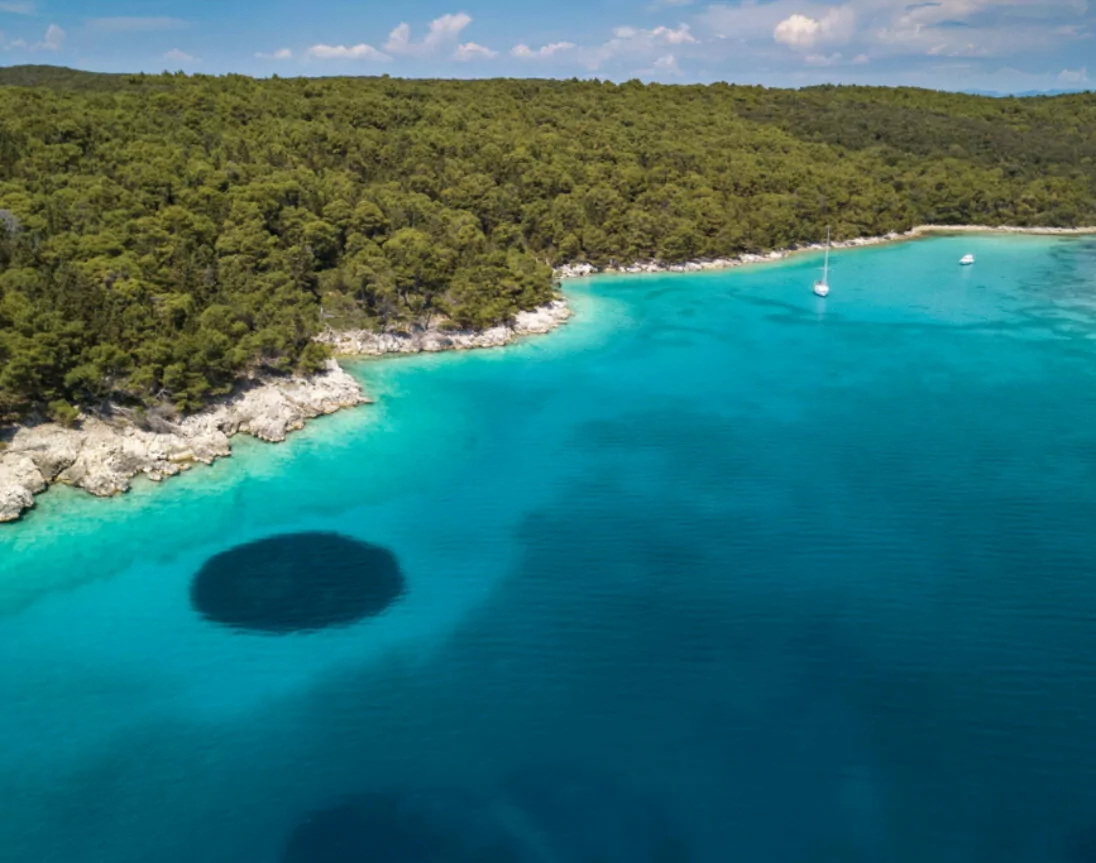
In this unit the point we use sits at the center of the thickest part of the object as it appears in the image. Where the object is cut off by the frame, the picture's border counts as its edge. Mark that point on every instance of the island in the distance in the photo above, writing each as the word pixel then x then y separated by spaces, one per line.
pixel 181 257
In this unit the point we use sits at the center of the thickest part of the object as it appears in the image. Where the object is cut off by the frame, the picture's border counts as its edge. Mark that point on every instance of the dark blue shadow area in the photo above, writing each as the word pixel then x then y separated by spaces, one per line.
pixel 406 828
pixel 549 816
pixel 580 816
pixel 298 582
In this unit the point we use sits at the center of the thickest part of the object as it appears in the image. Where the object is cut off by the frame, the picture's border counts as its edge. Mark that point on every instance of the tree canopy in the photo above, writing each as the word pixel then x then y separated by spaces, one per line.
pixel 162 235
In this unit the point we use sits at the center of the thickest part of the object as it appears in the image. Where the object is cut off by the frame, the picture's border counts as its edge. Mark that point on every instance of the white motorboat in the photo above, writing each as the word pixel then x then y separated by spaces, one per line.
pixel 966 260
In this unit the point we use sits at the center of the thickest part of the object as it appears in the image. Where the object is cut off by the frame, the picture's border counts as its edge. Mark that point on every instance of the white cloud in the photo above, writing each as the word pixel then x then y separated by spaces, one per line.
pixel 664 66
pixel 998 27
pixel 442 30
pixel 17 8
pixel 665 35
pixel 861 59
pixel 524 52
pixel 1073 31
pixel 353 52
pixel 472 51
pixel 802 31
pixel 822 59
pixel 799 31
pixel 446 27
pixel 176 55
pixel 945 49
pixel 399 39
pixel 891 28
pixel 754 22
pixel 667 65
pixel 54 39
pixel 680 36
pixel 280 54
pixel 638 43
pixel 124 24
pixel 1073 76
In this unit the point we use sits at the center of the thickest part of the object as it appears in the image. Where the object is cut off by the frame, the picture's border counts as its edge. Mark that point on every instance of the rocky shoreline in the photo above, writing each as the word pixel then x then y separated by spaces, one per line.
pixel 584 270
pixel 364 343
pixel 105 453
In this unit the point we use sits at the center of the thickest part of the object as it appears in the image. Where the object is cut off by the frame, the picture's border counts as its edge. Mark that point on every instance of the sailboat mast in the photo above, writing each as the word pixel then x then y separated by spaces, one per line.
pixel 822 286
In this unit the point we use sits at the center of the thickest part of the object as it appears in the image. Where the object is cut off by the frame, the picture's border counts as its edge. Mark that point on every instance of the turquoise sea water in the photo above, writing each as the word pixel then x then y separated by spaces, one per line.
pixel 720 571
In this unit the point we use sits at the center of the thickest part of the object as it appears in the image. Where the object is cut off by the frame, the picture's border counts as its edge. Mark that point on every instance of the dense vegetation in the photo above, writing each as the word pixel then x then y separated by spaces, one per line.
pixel 162 235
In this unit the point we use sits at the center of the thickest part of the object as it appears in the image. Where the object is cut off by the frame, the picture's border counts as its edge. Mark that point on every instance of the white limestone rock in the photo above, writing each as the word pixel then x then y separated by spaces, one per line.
pixel 20 481
pixel 432 339
pixel 103 456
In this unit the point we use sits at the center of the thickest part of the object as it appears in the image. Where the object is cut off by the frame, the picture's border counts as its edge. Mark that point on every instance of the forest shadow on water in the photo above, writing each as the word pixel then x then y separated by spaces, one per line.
pixel 298 582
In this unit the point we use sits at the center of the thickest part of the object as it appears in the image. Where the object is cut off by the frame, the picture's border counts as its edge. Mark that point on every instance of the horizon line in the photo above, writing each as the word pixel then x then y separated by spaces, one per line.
pixel 1050 92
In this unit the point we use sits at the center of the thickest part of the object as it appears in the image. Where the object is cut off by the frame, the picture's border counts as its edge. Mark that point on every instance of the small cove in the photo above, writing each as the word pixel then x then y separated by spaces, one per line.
pixel 808 580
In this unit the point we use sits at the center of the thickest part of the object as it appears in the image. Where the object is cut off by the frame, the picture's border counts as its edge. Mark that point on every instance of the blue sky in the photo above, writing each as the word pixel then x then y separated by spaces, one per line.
pixel 1005 45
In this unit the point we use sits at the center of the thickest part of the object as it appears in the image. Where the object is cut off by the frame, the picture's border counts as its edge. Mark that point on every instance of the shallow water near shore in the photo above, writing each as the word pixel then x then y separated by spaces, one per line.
pixel 719 571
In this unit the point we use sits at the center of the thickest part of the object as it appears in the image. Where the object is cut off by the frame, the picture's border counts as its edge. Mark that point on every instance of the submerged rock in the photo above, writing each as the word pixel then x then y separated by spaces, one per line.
pixel 298 582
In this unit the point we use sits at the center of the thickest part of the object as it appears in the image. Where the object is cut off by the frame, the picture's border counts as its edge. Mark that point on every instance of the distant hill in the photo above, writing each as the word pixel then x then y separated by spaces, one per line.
pixel 64 78
pixel 59 77
pixel 1025 94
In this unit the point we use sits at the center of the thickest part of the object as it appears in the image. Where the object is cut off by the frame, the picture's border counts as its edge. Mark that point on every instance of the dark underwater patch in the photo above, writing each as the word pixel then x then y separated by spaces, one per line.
pixel 539 816
pixel 405 828
pixel 586 817
pixel 298 582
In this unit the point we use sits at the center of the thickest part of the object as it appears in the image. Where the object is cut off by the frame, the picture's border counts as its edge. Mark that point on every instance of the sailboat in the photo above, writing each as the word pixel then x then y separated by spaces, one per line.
pixel 822 286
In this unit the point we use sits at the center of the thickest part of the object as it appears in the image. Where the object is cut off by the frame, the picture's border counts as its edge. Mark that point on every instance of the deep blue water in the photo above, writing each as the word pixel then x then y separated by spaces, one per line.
pixel 719 572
